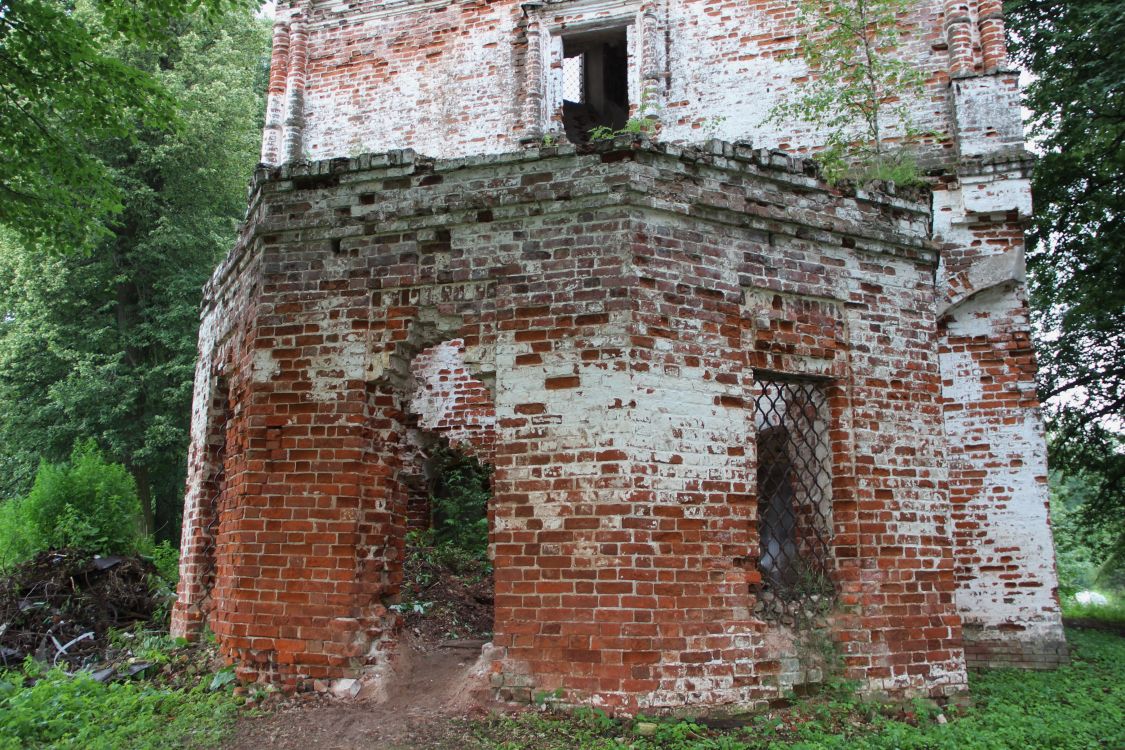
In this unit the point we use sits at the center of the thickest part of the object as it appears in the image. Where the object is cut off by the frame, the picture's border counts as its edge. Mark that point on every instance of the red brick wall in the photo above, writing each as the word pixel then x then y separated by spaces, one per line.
pixel 1006 576
pixel 216 460
pixel 624 332
pixel 468 77
pixel 1007 583
pixel 618 311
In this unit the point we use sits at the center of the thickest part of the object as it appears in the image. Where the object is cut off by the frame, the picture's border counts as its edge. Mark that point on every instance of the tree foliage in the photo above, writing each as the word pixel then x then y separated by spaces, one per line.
pixel 85 503
pixel 1082 551
pixel 102 344
pixel 1077 241
pixel 856 85
pixel 459 501
pixel 62 88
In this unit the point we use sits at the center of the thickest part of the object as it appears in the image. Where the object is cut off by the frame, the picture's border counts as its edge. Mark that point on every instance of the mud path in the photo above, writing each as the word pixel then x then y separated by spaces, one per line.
pixel 432 687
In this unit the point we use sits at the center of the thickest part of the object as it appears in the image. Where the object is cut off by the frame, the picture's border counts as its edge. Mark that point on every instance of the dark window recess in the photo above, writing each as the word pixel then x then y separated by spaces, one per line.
pixel 794 502
pixel 595 82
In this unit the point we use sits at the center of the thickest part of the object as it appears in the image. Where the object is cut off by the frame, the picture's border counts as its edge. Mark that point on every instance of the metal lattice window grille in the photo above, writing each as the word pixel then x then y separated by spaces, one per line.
pixel 574 78
pixel 794 501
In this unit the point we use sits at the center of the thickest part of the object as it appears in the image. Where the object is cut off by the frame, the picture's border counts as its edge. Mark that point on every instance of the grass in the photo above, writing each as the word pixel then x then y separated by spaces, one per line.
pixel 1111 613
pixel 1078 707
pixel 51 709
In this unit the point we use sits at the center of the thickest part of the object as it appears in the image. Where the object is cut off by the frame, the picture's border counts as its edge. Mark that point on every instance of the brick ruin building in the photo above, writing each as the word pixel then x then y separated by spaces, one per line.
pixel 747 428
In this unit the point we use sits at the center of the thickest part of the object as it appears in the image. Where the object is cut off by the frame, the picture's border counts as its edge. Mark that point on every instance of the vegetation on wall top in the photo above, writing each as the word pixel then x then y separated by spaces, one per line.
pixel 857 88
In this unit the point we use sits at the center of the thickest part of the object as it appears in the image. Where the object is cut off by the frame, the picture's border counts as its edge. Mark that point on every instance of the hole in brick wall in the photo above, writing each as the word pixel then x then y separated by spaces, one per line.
pixel 459 486
pixel 448 589
pixel 595 82
pixel 315 181
pixel 794 501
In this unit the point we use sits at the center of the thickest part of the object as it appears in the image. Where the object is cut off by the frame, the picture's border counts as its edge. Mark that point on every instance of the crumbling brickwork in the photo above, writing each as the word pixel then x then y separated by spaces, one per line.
pixel 997 451
pixel 451 402
pixel 746 428
pixel 625 335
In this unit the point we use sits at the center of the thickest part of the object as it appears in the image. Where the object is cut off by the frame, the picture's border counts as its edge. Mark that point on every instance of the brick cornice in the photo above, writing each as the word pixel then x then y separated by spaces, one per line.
pixel 739 187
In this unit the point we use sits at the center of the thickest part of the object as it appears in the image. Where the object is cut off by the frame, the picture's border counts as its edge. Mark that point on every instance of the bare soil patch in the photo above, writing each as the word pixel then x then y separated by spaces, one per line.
pixel 446 596
pixel 439 681
pixel 434 692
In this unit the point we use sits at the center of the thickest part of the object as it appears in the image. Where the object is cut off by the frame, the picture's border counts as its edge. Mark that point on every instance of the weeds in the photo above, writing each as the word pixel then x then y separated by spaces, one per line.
pixel 65 712
pixel 635 126
pixel 158 692
pixel 1078 707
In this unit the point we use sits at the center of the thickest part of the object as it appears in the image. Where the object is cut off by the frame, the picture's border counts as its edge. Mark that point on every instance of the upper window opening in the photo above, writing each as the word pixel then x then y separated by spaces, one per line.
pixel 595 82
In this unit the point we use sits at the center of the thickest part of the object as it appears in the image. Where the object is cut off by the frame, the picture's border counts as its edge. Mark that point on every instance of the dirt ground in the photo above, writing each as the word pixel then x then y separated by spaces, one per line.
pixel 438 683
pixel 433 689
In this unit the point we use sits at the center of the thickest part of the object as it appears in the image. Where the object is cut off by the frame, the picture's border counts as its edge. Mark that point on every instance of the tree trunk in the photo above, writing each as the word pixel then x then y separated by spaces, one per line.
pixel 167 507
pixel 144 492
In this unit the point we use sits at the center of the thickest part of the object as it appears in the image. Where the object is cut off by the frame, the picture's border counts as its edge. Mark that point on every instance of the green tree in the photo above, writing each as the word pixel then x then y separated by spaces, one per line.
pixel 61 89
pixel 459 501
pixel 102 344
pixel 85 503
pixel 1081 550
pixel 1076 253
pixel 856 86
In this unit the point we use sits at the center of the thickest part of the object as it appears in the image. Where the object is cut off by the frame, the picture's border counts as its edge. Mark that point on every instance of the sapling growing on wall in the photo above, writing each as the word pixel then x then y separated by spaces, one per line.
pixel 856 87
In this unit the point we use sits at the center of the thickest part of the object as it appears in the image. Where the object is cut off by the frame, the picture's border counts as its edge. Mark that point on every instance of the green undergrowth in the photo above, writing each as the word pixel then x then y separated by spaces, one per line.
pixel 179 705
pixel 1111 613
pixel 1078 707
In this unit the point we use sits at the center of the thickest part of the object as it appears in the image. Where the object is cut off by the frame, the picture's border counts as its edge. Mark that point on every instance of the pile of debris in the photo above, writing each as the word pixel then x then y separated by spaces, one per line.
pixel 60 606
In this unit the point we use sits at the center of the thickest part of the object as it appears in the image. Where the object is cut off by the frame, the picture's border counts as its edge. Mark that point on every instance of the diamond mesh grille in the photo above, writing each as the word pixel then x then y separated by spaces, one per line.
pixel 574 78
pixel 794 501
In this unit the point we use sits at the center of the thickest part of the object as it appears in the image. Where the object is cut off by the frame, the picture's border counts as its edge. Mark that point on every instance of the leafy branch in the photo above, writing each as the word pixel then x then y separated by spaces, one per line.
pixel 61 89
pixel 857 86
